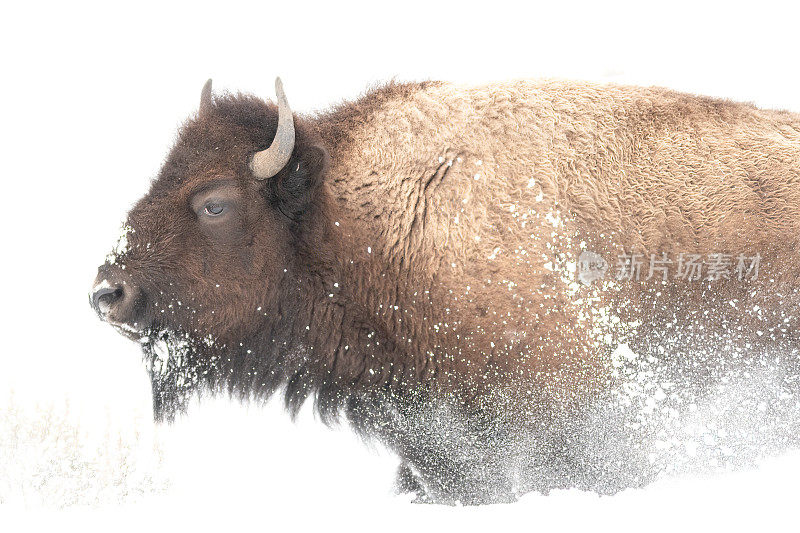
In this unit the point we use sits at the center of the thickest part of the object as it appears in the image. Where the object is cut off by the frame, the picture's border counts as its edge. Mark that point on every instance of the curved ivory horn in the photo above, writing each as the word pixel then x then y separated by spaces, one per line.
pixel 205 96
pixel 269 162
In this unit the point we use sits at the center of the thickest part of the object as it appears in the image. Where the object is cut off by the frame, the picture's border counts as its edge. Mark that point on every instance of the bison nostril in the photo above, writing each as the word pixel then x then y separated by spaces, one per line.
pixel 104 297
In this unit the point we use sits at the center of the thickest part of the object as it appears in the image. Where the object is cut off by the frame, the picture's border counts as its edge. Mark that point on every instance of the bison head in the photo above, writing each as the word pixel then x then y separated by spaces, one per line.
pixel 208 259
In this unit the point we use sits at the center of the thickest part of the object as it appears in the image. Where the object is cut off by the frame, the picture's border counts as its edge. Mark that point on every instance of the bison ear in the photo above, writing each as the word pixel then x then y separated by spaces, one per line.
pixel 294 189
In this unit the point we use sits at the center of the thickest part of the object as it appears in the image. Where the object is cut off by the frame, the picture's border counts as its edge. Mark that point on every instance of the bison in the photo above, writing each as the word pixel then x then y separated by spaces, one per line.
pixel 453 269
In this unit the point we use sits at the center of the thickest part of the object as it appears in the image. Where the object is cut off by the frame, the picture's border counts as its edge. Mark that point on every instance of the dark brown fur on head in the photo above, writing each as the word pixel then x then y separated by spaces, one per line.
pixel 236 286
pixel 227 265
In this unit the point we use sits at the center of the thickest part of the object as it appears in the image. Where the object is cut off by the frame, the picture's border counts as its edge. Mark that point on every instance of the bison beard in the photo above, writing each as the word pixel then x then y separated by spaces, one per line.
pixel 407 261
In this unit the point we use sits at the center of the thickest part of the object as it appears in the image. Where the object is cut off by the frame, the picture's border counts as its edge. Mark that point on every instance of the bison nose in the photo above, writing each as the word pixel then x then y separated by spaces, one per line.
pixel 104 296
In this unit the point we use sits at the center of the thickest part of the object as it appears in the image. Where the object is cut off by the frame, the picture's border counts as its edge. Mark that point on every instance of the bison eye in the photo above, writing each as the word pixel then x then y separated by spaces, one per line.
pixel 216 203
pixel 214 209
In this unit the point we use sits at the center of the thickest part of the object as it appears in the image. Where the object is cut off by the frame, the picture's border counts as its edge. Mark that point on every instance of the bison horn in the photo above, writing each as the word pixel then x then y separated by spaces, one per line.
pixel 205 96
pixel 269 162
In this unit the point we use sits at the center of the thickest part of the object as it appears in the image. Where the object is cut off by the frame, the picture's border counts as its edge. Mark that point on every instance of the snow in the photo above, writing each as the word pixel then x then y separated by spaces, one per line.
pixel 92 108
pixel 122 245
pixel 104 284
pixel 227 464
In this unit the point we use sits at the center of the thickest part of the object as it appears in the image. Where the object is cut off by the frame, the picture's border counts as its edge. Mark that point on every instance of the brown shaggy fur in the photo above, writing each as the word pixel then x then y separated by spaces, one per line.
pixel 418 247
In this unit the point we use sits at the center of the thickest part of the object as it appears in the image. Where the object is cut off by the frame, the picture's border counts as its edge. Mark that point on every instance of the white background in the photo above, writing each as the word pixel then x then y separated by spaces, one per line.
pixel 92 95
